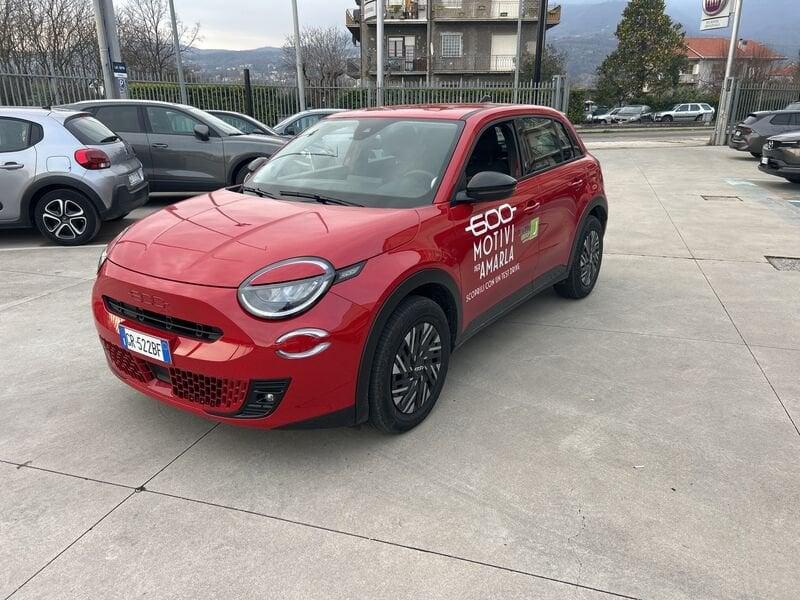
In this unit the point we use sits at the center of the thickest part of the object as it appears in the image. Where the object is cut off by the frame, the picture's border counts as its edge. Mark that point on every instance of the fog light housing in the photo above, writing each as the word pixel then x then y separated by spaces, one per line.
pixel 302 343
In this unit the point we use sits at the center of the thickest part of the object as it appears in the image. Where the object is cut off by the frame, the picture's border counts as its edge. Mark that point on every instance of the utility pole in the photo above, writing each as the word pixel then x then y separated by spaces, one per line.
pixel 108 43
pixel 298 58
pixel 726 97
pixel 518 61
pixel 540 33
pixel 176 41
pixel 379 49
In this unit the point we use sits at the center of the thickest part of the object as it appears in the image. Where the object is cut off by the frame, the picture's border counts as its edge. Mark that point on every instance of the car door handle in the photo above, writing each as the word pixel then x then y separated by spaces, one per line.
pixel 11 166
pixel 532 207
pixel 159 145
pixel 576 182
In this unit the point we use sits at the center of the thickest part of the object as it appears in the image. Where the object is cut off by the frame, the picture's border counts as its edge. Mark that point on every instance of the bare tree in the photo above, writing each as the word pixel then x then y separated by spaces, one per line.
pixel 145 34
pixel 325 52
pixel 48 35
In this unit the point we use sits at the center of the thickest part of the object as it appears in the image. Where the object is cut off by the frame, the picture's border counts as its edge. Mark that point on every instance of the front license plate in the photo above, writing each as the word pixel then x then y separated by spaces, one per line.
pixel 737 133
pixel 144 344
pixel 764 160
pixel 135 178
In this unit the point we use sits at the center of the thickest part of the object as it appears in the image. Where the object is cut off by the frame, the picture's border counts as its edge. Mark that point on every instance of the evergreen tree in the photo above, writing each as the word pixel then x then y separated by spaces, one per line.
pixel 649 57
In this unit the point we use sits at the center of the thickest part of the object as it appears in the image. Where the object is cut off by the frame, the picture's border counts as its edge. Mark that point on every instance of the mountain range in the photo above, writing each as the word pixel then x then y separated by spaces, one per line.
pixel 586 33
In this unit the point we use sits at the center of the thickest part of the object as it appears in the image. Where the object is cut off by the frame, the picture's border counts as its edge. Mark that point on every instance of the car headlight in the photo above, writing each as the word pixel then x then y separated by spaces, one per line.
pixel 285 299
pixel 103 257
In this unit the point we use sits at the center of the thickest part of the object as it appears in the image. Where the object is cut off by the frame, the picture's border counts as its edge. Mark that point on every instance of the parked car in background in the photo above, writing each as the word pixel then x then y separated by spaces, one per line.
pixel 183 149
pixel 351 285
pixel 242 122
pixel 781 156
pixel 751 134
pixel 299 122
pixel 596 110
pixel 688 111
pixel 606 116
pixel 65 173
pixel 633 114
pixel 793 106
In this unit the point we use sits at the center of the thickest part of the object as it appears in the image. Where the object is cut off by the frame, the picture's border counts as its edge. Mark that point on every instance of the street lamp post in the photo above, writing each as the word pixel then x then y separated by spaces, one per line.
pixel 178 61
pixel 298 58
pixel 726 96
pixel 517 64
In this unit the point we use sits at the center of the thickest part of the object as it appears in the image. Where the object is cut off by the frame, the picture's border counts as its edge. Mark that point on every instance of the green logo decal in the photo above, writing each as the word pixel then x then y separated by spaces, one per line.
pixel 532 231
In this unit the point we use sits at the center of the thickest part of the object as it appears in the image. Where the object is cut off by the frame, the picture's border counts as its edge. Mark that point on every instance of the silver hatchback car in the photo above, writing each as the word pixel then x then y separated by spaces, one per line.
pixel 64 172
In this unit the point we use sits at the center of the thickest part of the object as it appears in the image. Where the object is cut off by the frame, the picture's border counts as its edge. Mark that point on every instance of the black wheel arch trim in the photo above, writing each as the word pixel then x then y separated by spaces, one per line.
pixel 241 162
pixel 61 181
pixel 399 293
pixel 593 203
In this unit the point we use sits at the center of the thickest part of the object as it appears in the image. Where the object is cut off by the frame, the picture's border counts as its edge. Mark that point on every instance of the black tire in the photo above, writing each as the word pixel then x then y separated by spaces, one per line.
pixel 667 119
pixel 699 118
pixel 414 348
pixel 585 268
pixel 793 179
pixel 119 218
pixel 241 173
pixel 756 154
pixel 66 217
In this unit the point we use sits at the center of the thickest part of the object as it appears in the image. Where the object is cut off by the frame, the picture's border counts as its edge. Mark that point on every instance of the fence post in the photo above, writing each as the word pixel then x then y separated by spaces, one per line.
pixel 248 93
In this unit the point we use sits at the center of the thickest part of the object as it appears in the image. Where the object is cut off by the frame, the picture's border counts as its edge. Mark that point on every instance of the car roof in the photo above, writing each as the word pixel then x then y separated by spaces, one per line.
pixel 451 112
pixel 138 102
pixel 36 113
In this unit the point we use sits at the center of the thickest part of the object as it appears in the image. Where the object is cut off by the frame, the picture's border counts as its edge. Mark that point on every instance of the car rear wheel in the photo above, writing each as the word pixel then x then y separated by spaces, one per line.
pixel 410 365
pixel 66 217
pixel 585 267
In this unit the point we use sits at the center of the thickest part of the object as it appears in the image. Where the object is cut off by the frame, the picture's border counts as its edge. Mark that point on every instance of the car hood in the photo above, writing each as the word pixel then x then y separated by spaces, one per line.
pixel 221 238
pixel 792 136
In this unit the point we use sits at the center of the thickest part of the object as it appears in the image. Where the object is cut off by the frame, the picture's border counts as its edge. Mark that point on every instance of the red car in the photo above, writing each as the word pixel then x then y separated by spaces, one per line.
pixel 333 286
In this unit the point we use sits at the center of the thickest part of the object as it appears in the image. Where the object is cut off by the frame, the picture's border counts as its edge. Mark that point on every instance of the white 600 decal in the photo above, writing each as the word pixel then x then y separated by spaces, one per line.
pixel 491 219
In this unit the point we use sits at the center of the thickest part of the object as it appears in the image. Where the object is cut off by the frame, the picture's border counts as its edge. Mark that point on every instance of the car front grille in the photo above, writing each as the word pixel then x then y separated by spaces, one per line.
pixel 233 397
pixel 181 327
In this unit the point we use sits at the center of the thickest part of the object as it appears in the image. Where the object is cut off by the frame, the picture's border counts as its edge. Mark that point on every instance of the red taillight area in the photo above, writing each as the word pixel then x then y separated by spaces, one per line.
pixel 92 159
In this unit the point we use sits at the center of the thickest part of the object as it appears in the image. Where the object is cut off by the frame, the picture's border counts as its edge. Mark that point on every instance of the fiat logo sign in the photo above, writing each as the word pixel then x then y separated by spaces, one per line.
pixel 714 7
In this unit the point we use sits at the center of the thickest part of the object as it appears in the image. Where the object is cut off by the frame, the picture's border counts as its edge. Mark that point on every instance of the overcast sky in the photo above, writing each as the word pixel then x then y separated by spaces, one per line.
pixel 244 24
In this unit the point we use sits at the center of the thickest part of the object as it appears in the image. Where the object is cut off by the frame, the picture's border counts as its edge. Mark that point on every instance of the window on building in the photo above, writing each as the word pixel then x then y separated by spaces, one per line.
pixel 451 3
pixel 452 45
pixel 396 47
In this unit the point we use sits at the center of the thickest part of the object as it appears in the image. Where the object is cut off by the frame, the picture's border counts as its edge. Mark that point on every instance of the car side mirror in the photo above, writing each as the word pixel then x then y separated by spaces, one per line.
pixel 202 132
pixel 255 164
pixel 488 185
pixel 290 130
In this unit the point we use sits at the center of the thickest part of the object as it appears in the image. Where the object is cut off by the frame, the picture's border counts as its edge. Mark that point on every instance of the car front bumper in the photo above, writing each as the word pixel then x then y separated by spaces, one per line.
pixel 226 379
pixel 778 165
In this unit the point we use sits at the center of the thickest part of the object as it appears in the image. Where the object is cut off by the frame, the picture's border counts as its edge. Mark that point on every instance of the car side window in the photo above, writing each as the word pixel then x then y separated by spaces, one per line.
pixel 569 149
pixel 683 108
pixel 782 119
pixel 304 123
pixel 695 108
pixel 495 150
pixel 120 119
pixel 170 122
pixel 542 144
pixel 15 135
pixel 796 119
pixel 240 124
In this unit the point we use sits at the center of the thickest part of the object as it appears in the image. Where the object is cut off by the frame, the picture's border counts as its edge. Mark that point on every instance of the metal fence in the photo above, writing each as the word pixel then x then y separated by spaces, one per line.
pixel 749 97
pixel 270 102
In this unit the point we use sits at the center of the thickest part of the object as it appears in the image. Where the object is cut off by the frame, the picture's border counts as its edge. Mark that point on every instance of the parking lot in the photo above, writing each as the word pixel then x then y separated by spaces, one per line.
pixel 640 443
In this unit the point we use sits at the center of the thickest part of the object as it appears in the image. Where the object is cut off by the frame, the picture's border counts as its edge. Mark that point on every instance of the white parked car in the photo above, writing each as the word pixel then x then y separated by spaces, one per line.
pixel 606 117
pixel 689 111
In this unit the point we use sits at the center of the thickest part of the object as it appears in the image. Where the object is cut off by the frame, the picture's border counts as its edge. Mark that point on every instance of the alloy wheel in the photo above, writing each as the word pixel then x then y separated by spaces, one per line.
pixel 416 367
pixel 590 258
pixel 65 219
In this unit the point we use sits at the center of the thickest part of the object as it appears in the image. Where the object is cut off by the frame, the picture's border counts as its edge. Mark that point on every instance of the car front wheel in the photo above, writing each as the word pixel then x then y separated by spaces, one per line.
pixel 410 365
pixel 667 118
pixel 585 267
pixel 66 217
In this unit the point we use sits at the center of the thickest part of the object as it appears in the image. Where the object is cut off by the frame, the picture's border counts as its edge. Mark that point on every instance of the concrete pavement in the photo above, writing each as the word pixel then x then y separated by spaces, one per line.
pixel 641 443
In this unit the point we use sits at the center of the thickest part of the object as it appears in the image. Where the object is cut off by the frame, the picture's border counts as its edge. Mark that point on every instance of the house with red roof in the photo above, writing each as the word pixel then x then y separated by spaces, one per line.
pixel 707 57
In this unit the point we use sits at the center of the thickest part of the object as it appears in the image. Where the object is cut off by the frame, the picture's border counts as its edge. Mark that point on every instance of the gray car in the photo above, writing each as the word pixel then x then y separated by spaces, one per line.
pixel 781 156
pixel 65 173
pixel 688 111
pixel 299 122
pixel 183 149
pixel 751 134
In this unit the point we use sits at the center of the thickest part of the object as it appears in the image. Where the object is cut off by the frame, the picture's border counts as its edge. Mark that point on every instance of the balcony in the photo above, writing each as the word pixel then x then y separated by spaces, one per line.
pixel 492 10
pixel 400 65
pixel 475 63
pixel 688 79
pixel 397 11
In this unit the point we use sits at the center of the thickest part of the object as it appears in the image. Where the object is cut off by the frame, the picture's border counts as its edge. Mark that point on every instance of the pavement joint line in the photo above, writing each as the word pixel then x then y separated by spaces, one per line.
pixel 724 308
pixel 21 272
pixel 393 544
pixel 750 350
pixel 619 331
pixel 731 260
pixel 28 465
pixel 27 299
pixel 184 451
pixel 70 545
pixel 27 248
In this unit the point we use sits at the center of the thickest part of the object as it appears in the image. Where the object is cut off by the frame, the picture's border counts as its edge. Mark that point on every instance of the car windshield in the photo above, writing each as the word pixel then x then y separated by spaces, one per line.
pixel 221 126
pixel 630 110
pixel 376 162
pixel 674 108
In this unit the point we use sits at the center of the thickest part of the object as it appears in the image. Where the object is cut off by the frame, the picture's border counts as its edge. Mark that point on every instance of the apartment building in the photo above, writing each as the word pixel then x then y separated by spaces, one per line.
pixel 446 41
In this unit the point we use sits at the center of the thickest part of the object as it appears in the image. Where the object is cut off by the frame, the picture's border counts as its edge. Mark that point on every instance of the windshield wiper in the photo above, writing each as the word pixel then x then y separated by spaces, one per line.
pixel 320 199
pixel 257 191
